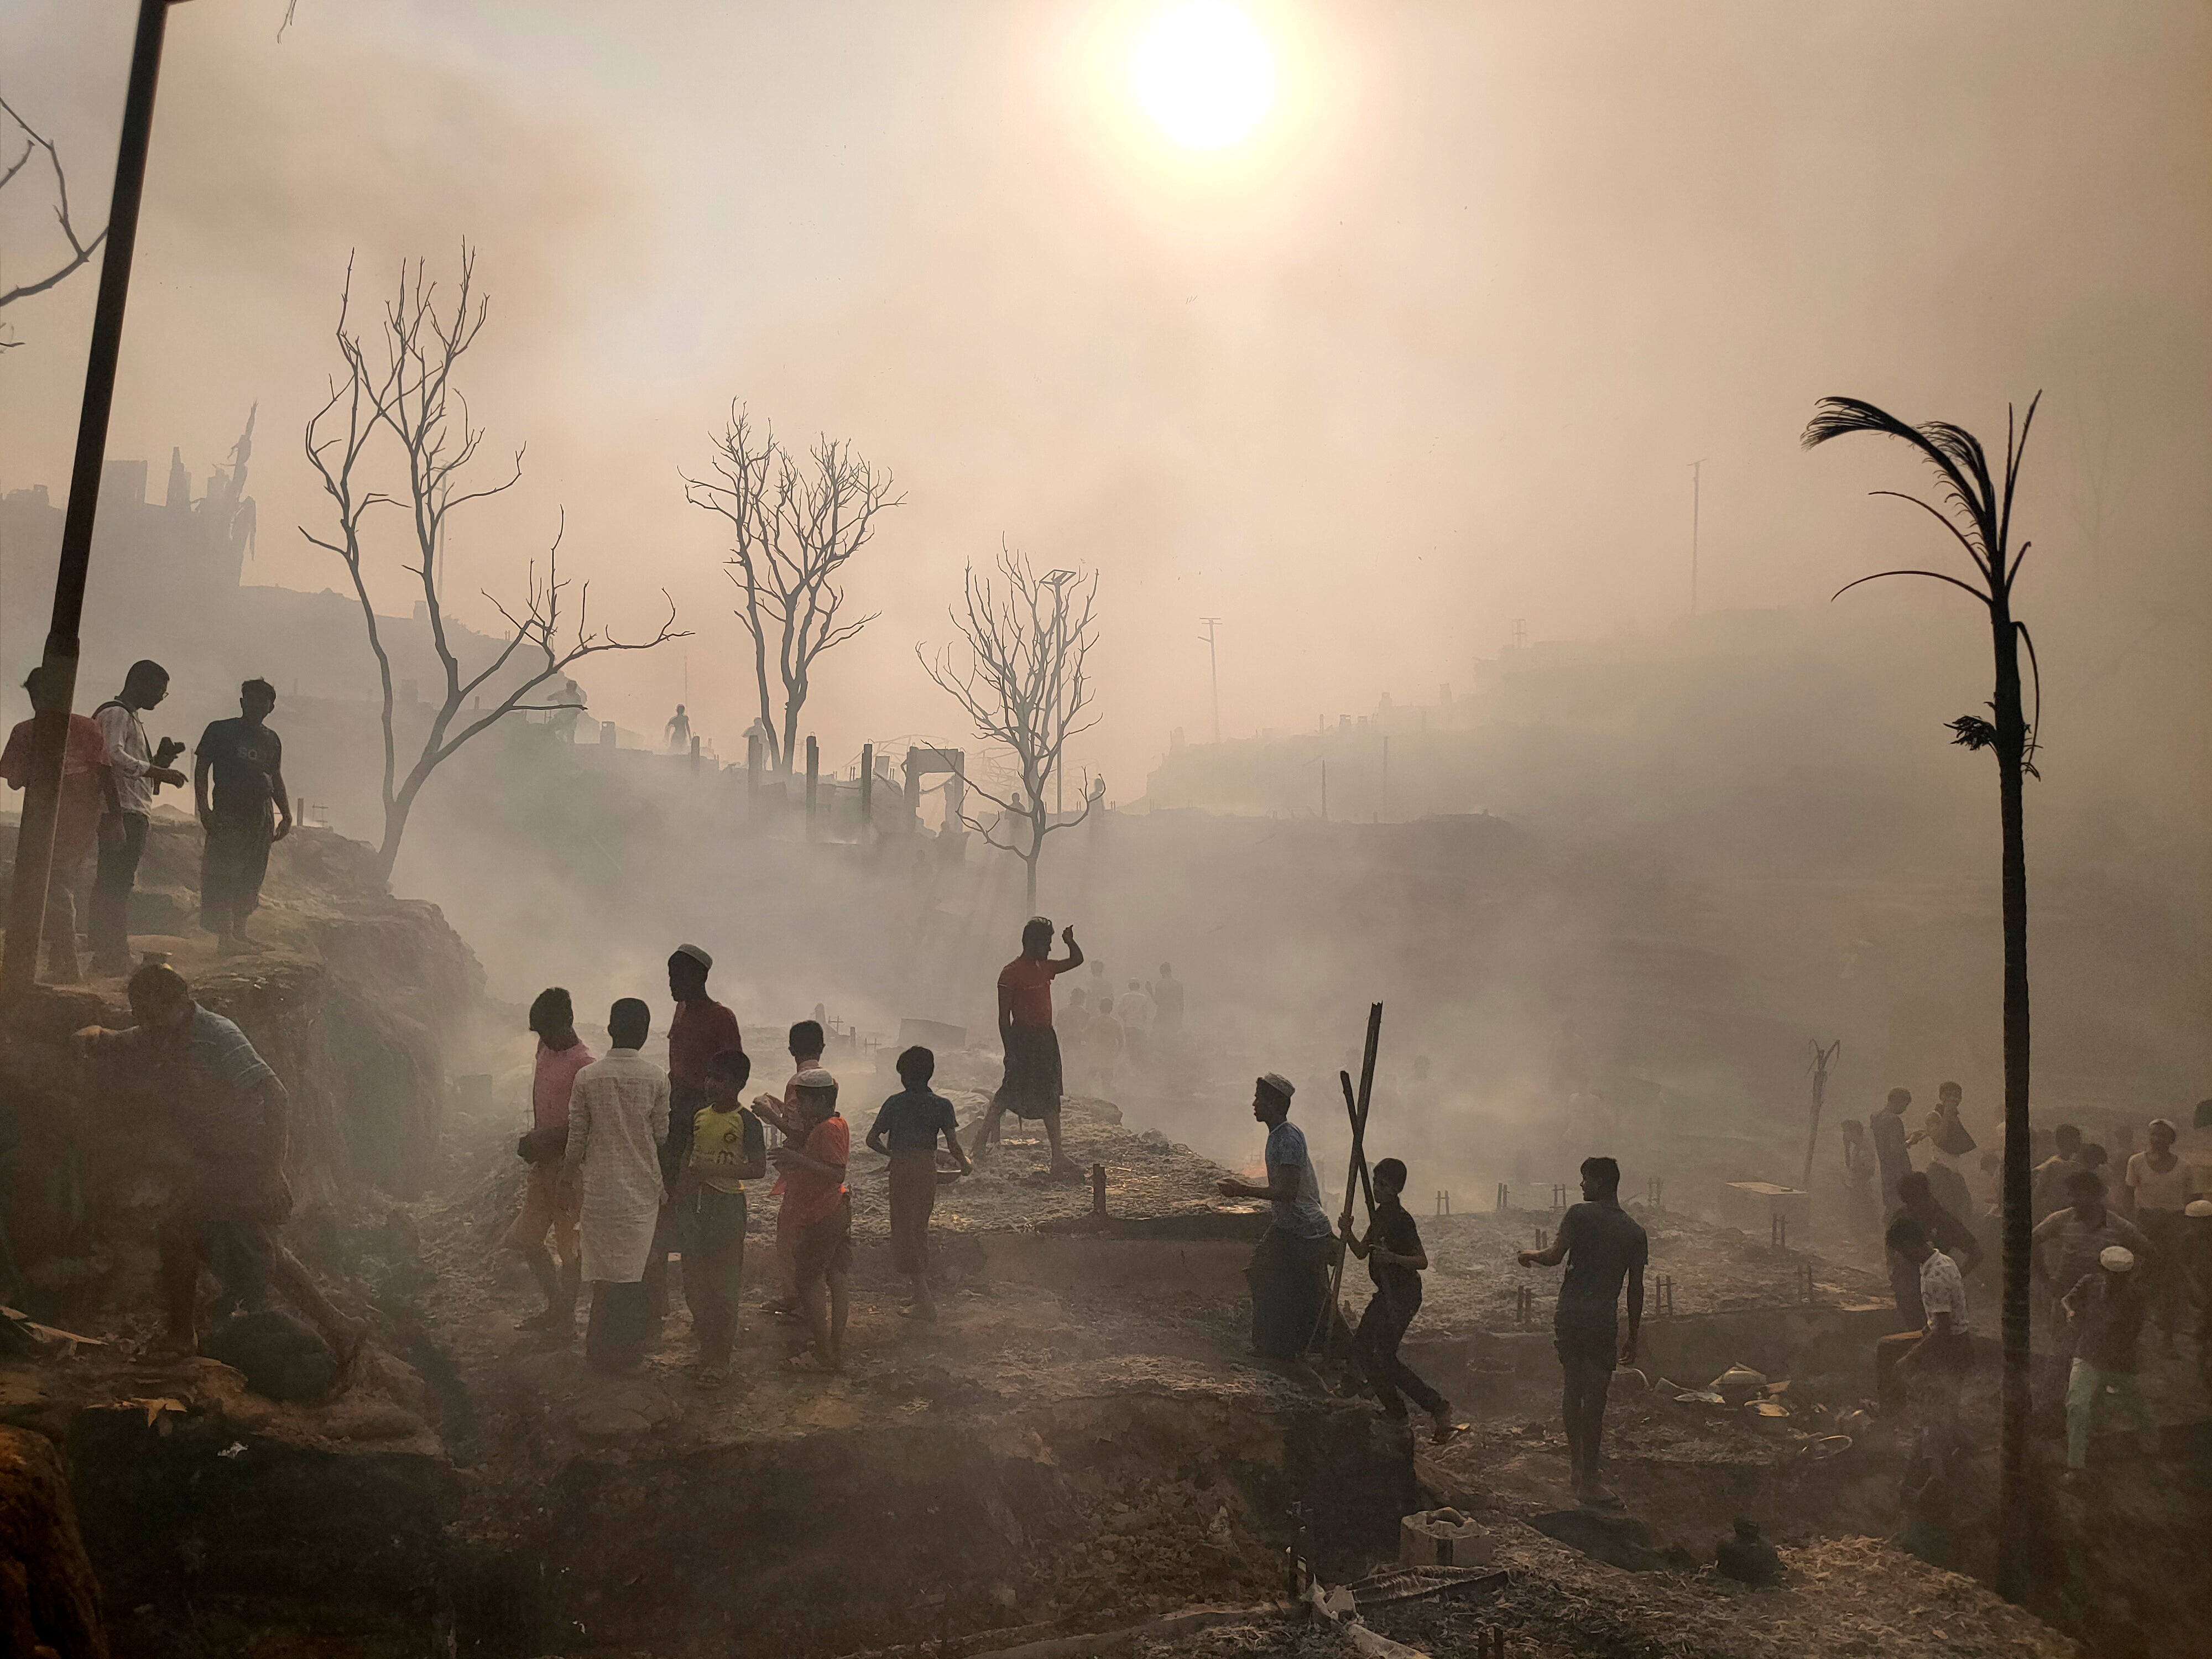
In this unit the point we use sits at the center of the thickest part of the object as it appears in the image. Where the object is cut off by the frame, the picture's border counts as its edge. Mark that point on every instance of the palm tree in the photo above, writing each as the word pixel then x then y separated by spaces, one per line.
pixel 1976 511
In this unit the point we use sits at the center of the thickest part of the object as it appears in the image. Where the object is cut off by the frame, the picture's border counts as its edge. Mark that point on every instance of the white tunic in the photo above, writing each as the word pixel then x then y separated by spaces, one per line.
pixel 617 1118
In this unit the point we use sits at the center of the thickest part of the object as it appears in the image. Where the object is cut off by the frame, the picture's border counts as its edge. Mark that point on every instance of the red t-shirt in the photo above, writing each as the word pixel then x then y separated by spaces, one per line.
pixel 808 1197
pixel 1029 981
pixel 700 1030
pixel 82 759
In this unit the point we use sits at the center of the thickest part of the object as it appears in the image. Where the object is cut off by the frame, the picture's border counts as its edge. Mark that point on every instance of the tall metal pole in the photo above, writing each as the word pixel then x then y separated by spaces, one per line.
pixel 1214 672
pixel 1695 467
pixel 35 845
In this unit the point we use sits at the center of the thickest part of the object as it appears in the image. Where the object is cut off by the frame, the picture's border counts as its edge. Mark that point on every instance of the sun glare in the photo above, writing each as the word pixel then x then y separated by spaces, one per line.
pixel 1206 74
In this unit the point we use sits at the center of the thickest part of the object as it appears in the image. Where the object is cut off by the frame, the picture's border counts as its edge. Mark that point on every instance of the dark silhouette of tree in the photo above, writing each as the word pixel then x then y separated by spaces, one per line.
pixel 794 528
pixel 1976 510
pixel 407 393
pixel 81 253
pixel 1024 685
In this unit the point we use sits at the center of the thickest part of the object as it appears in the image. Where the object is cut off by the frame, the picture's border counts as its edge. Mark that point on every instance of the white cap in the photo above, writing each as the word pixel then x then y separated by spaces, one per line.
pixel 696 954
pixel 817 1079
pixel 1279 1083
pixel 2198 1206
pixel 2116 1258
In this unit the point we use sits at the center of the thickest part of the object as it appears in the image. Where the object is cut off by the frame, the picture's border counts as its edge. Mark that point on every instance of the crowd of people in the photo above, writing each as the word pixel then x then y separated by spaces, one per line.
pixel 2114 1252
pixel 111 775
pixel 630 1164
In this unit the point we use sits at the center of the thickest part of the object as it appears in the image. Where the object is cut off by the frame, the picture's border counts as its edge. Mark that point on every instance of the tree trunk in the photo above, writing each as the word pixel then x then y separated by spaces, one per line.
pixel 2014 1506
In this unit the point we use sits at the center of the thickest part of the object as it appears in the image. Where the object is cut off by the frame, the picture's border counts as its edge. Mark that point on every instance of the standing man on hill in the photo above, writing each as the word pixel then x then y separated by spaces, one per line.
pixel 139 769
pixel 1602 1245
pixel 1031 1087
pixel 87 794
pixel 245 762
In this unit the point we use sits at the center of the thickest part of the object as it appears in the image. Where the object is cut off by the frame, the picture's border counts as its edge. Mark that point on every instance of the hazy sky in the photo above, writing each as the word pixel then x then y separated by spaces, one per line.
pixel 1431 352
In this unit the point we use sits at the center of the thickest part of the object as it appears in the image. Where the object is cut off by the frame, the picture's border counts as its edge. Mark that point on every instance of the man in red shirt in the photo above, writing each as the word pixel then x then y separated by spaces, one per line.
pixel 88 793
pixel 701 1029
pixel 818 1207
pixel 551 1204
pixel 1030 1088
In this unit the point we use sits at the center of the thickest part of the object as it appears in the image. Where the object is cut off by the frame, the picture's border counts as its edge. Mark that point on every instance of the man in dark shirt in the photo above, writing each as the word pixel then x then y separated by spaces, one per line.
pixel 907 1129
pixel 1917 1198
pixel 701 1029
pixel 1602 1245
pixel 1395 1262
pixel 2107 1308
pixel 248 812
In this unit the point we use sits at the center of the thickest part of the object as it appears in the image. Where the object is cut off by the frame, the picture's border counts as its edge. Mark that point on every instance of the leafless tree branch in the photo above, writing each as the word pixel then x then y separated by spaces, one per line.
pixel 794 528
pixel 80 251
pixel 406 392
pixel 1021 675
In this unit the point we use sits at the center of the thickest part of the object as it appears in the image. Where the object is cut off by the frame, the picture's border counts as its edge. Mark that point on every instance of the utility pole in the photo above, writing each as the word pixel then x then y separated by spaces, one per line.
pixel 1213 673
pixel 1695 467
pixel 34 844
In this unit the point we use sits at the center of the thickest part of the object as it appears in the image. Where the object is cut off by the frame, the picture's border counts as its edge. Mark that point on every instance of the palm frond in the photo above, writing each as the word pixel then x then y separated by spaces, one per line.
pixel 1953 452
pixel 1971 731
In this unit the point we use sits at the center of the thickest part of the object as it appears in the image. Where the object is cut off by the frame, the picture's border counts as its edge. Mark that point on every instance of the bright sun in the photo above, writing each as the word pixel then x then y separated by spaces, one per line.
pixel 1205 74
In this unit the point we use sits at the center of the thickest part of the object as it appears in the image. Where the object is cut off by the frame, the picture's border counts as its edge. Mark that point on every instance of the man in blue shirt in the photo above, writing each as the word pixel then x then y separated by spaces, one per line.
pixel 1289 1274
pixel 229 1109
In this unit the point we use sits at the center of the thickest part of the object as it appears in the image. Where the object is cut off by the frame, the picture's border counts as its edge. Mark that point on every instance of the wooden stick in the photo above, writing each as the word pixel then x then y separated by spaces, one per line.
pixel 1358 1170
pixel 1359 1150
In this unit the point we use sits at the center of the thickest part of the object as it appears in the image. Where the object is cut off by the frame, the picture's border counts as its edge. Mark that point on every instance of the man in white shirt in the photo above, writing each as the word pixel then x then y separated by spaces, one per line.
pixel 1936 1356
pixel 138 770
pixel 618 1119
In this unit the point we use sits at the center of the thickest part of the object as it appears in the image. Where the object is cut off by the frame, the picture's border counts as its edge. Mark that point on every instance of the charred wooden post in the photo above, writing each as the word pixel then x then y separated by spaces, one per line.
pixel 867 789
pixel 813 782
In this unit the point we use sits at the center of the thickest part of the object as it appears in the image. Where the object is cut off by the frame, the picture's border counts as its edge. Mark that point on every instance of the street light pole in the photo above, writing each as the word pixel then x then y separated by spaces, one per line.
pixel 34 844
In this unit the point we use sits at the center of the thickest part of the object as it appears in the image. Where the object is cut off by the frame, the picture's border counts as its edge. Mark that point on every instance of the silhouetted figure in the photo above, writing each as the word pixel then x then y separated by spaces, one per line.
pixel 1289 1271
pixel 1395 1262
pixel 1894 1162
pixel 679 732
pixel 1602 1246
pixel 244 814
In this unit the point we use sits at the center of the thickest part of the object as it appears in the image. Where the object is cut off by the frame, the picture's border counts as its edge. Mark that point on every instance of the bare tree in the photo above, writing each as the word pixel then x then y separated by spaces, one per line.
pixel 80 251
pixel 794 528
pixel 406 391
pixel 1977 511
pixel 1025 685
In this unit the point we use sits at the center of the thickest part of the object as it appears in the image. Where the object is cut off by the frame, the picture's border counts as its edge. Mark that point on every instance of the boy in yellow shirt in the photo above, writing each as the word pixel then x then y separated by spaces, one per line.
pixel 728 1148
